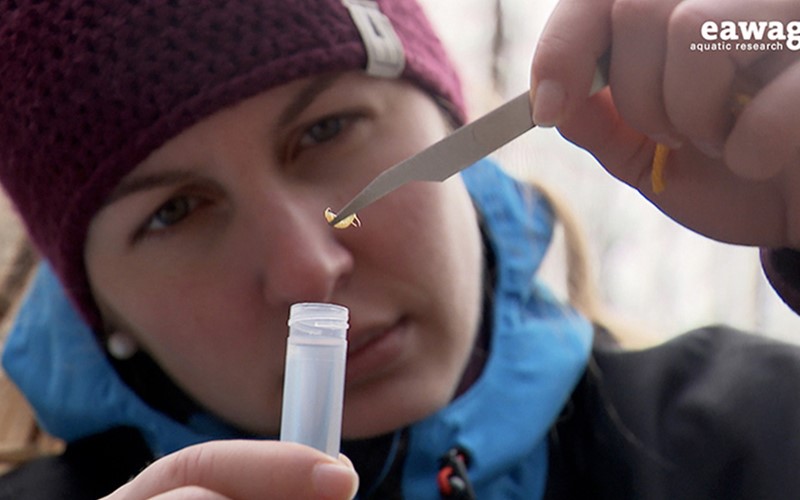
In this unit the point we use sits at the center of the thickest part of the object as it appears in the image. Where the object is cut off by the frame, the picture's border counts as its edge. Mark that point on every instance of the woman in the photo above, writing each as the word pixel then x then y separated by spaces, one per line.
pixel 182 156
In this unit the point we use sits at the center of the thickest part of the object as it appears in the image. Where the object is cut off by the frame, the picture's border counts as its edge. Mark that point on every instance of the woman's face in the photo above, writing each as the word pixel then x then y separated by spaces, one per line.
pixel 201 250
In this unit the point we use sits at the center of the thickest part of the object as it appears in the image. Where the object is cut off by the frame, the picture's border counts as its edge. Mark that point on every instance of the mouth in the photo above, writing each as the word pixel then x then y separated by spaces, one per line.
pixel 372 352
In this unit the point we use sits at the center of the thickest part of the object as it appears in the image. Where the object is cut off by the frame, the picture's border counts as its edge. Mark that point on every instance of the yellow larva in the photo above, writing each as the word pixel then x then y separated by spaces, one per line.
pixel 657 171
pixel 351 220
pixel 739 101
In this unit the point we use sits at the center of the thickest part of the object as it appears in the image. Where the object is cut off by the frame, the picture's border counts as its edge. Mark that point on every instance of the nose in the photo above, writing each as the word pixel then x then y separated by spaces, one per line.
pixel 303 258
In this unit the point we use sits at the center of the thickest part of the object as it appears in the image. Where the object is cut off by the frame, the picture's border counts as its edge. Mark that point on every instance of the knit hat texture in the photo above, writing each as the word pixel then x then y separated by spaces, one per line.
pixel 89 88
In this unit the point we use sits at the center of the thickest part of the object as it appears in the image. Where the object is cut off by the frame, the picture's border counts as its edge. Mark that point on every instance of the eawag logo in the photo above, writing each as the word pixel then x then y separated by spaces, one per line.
pixel 762 36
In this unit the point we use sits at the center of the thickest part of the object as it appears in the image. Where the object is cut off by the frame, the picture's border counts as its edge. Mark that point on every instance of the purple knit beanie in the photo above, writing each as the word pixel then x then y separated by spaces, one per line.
pixel 89 88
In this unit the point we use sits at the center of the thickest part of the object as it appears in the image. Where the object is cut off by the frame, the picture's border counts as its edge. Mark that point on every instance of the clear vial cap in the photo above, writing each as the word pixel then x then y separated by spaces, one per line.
pixel 317 318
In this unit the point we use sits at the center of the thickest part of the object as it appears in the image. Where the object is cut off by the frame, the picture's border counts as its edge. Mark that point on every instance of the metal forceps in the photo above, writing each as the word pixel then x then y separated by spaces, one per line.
pixel 457 151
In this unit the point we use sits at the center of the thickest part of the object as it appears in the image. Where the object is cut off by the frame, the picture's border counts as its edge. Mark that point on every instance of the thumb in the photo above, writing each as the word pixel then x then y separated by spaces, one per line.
pixel 574 39
pixel 246 469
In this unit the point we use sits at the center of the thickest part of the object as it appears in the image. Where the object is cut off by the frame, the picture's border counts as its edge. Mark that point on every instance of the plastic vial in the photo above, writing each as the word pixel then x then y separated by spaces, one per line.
pixel 313 386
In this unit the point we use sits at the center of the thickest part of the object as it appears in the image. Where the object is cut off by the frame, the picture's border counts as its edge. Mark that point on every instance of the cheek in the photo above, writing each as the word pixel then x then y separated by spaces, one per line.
pixel 199 317
pixel 198 326
pixel 434 231
pixel 436 245
pixel 431 268
pixel 456 252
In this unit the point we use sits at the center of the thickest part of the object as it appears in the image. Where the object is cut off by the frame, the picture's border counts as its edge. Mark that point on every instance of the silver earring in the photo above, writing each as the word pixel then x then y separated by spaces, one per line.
pixel 121 346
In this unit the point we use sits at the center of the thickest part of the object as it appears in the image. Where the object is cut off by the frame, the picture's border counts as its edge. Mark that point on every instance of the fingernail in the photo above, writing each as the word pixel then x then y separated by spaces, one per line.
pixel 334 481
pixel 710 149
pixel 548 103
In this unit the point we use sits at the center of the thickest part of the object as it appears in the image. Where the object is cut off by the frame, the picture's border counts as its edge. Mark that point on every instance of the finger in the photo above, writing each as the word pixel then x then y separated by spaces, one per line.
pixel 576 35
pixel 698 85
pixel 639 45
pixel 246 469
pixel 625 152
pixel 702 195
pixel 190 492
pixel 766 136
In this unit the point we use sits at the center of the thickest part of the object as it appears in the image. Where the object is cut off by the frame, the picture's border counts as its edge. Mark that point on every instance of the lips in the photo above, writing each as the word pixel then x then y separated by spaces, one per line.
pixel 375 350
pixel 361 340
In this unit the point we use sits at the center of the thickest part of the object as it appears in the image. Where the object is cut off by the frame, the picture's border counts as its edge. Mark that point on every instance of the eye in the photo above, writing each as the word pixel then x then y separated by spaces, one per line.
pixel 324 130
pixel 325 137
pixel 170 213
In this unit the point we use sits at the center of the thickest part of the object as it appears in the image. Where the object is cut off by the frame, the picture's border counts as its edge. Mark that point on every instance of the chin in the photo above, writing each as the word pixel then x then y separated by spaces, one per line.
pixel 366 417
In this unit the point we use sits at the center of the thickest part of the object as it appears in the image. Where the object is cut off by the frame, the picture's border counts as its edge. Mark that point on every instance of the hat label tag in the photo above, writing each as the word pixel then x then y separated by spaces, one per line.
pixel 385 55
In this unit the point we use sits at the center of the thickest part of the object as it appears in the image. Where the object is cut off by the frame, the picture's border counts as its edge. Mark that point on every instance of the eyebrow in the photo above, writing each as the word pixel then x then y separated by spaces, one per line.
pixel 299 103
pixel 140 183
pixel 306 96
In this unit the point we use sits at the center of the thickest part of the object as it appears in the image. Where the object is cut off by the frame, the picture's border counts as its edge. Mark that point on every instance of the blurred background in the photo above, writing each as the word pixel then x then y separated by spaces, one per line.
pixel 651 270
